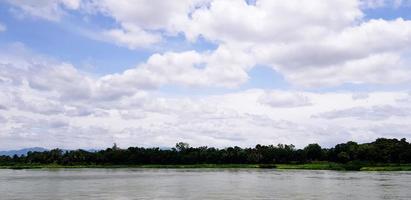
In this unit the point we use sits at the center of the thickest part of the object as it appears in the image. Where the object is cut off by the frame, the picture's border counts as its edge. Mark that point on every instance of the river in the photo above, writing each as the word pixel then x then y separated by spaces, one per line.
pixel 125 184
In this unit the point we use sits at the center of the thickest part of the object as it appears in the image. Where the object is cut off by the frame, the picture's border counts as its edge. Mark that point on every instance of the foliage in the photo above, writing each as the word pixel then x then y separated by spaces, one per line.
pixel 349 156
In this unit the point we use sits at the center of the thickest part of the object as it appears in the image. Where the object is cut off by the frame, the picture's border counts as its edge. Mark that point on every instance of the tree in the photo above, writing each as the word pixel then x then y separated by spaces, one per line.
pixel 351 154
pixel 343 157
pixel 313 151
pixel 182 146
pixel 115 147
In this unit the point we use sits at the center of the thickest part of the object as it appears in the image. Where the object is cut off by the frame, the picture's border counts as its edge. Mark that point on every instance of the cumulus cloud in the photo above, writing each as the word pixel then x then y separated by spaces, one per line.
pixel 224 67
pixel 56 79
pixel 39 113
pixel 51 133
pixel 335 44
pixel 317 44
pixel 60 78
pixel 372 113
pixel 331 47
pixel 357 96
pixel 372 4
pixel 254 23
pixel 143 22
pixel 282 99
pixel 356 54
pixel 46 9
pixel 25 76
pixel 347 49
pixel 220 68
pixel 392 130
pixel 132 37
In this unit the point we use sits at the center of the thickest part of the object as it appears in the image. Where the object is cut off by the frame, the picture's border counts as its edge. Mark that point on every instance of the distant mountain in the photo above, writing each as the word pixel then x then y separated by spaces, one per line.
pixel 37 149
pixel 92 150
pixel 21 151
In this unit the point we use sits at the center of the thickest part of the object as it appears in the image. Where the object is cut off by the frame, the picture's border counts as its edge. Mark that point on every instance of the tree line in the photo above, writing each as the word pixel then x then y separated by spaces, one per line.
pixel 381 150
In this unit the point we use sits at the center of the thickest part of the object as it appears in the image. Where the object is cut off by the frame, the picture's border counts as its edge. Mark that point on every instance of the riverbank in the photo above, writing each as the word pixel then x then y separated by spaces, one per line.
pixel 307 166
pixel 55 166
pixel 346 167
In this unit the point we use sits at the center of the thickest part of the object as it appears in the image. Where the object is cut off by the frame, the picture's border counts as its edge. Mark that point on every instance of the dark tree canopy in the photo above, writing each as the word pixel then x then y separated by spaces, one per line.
pixel 313 152
pixel 380 151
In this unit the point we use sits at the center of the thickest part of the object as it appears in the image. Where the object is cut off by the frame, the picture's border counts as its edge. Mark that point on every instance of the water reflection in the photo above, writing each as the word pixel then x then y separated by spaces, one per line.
pixel 202 184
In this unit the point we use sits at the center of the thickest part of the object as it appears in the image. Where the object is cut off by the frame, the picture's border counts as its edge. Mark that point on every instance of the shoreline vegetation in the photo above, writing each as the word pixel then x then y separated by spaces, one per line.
pixel 305 166
pixel 381 155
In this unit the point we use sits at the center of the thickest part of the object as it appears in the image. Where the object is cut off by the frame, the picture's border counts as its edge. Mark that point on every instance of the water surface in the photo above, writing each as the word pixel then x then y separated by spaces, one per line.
pixel 125 184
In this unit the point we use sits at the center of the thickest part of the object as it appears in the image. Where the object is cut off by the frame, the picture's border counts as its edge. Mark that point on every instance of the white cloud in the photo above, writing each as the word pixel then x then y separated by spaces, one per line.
pixel 43 75
pixel 219 68
pixel 46 9
pixel 38 114
pixel 372 113
pixel 360 95
pixel 392 130
pixel 372 4
pixel 283 99
pixel 132 37
pixel 270 21
pixel 60 78
pixel 148 14
pixel 312 44
pixel 224 67
pixel 375 69
pixel 71 4
pixel 356 55
pixel 331 47
pixel 144 22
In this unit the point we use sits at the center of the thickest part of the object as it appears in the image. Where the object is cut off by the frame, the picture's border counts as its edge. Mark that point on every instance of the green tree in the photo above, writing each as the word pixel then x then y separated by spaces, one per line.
pixel 182 146
pixel 313 151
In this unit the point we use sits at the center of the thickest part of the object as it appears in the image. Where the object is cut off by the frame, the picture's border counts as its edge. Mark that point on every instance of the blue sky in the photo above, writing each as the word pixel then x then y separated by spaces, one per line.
pixel 99 57
pixel 260 72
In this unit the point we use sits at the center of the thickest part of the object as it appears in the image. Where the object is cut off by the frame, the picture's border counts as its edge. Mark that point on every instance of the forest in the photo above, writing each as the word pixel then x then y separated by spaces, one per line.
pixel 382 150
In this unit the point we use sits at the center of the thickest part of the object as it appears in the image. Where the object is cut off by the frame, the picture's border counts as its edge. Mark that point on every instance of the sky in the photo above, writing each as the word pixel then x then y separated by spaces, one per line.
pixel 90 73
